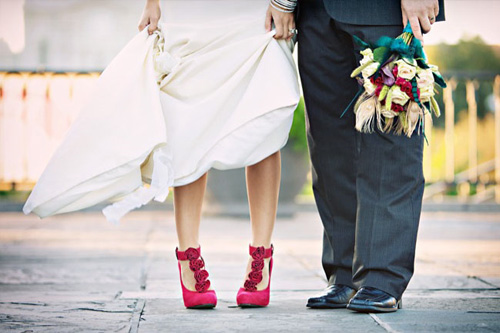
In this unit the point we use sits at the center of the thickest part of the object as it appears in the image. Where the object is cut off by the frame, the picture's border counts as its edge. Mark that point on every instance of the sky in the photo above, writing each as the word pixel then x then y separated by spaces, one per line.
pixel 467 17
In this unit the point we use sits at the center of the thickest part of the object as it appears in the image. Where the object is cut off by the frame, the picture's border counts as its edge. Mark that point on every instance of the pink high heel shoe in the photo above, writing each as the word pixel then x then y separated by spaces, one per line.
pixel 249 296
pixel 202 298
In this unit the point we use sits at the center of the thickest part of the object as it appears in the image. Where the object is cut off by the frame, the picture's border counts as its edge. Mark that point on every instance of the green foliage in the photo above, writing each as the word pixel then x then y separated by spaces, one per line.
pixel 298 132
pixel 380 54
pixel 439 79
pixel 470 53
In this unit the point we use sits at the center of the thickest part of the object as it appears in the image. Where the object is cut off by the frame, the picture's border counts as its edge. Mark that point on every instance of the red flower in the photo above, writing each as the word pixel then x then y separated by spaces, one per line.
pixel 396 107
pixel 200 275
pixel 259 253
pixel 401 82
pixel 201 287
pixel 255 276
pixel 378 90
pixel 250 285
pixel 192 253
pixel 395 71
pixel 257 265
pixel 407 90
pixel 196 264
pixel 377 81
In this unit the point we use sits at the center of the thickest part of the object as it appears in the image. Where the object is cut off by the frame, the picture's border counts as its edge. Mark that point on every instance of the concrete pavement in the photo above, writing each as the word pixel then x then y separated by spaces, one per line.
pixel 78 273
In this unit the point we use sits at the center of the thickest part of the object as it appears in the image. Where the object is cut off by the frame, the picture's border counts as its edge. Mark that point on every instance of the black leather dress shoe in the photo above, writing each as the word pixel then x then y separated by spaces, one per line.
pixel 336 296
pixel 369 299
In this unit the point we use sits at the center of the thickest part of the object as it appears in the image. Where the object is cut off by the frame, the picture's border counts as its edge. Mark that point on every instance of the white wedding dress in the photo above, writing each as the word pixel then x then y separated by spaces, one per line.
pixel 211 89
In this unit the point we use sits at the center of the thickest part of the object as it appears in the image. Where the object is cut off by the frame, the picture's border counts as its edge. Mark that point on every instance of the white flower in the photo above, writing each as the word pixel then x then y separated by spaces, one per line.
pixel 367 56
pixel 367 52
pixel 369 87
pixel 405 70
pixel 425 78
pixel 426 93
pixel 388 113
pixel 370 70
pixel 434 68
pixel 399 96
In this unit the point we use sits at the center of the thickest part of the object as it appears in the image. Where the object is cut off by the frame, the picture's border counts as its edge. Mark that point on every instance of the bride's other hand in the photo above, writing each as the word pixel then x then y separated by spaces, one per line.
pixel 150 15
pixel 283 23
pixel 421 14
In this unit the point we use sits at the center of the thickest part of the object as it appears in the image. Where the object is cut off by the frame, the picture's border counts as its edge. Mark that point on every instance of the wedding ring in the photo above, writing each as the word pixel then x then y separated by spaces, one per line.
pixel 293 31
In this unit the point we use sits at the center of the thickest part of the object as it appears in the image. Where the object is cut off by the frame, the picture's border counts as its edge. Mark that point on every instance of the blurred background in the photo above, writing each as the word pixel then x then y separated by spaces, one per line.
pixel 52 51
pixel 76 272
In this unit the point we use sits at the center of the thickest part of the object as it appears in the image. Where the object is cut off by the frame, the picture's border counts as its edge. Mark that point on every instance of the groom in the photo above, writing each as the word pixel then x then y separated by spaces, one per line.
pixel 368 187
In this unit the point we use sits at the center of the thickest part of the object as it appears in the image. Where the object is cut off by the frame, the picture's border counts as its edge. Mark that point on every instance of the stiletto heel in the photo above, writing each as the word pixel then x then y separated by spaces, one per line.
pixel 202 298
pixel 249 296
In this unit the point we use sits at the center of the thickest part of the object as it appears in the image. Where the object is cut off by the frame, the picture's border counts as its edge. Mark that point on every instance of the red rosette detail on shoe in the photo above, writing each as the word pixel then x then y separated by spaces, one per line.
pixel 255 276
pixel 196 265
pixel 259 253
pixel 200 275
pixel 250 285
pixel 257 265
pixel 203 286
pixel 192 253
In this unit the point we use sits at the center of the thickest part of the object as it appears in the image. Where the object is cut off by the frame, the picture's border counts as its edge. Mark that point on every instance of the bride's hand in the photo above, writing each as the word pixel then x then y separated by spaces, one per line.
pixel 150 15
pixel 283 23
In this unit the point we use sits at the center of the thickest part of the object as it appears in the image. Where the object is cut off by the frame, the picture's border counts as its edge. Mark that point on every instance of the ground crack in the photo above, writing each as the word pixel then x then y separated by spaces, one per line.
pixel 99 310
pixel 382 324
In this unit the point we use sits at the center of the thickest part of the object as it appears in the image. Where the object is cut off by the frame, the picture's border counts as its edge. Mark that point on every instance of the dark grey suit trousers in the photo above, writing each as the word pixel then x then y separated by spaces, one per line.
pixel 368 187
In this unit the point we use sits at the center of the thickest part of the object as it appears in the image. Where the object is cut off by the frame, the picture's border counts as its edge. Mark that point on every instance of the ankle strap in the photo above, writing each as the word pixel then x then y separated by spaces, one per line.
pixel 190 254
pixel 260 252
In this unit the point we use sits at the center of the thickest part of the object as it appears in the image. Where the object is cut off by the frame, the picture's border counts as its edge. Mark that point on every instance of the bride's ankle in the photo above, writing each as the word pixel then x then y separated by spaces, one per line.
pixel 265 273
pixel 187 275
pixel 183 247
pixel 265 244
pixel 192 268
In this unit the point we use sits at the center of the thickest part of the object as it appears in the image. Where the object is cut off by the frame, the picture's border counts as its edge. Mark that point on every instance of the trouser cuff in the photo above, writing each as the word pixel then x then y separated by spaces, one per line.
pixel 342 276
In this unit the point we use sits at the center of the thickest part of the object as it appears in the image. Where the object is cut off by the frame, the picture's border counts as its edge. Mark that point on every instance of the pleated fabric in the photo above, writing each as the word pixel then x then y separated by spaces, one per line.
pixel 209 89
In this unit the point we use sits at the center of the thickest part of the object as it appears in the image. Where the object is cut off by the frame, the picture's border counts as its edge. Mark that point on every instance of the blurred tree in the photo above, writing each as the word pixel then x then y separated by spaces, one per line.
pixel 469 54
pixel 470 58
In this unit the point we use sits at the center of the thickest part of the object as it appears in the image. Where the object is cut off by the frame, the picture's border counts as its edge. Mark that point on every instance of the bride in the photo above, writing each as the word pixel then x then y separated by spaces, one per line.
pixel 214 86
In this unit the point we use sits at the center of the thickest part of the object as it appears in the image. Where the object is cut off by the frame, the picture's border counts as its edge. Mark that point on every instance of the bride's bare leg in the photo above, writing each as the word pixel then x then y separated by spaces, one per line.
pixel 263 183
pixel 188 201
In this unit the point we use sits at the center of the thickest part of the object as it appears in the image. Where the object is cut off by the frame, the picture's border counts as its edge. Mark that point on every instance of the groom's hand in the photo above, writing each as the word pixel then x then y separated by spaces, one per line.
pixel 421 14
pixel 283 23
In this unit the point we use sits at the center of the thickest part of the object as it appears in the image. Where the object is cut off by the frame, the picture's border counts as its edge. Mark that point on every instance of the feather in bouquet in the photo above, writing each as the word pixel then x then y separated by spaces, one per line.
pixel 397 85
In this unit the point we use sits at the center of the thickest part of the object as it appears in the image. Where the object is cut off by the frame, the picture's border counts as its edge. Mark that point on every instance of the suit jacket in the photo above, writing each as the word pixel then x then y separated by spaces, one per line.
pixel 370 12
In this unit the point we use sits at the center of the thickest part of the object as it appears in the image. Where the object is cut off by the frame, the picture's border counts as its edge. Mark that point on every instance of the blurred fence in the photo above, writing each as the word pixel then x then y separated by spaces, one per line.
pixel 463 158
pixel 36 110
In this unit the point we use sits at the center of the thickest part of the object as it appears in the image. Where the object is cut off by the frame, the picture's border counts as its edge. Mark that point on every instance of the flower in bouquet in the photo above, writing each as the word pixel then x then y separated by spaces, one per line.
pixel 397 85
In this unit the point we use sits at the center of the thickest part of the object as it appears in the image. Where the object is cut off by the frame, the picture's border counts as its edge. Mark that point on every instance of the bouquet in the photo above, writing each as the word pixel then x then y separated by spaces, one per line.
pixel 397 85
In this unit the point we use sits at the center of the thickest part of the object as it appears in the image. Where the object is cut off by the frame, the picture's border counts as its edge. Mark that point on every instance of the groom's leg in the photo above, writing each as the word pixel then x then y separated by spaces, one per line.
pixel 326 60
pixel 390 185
